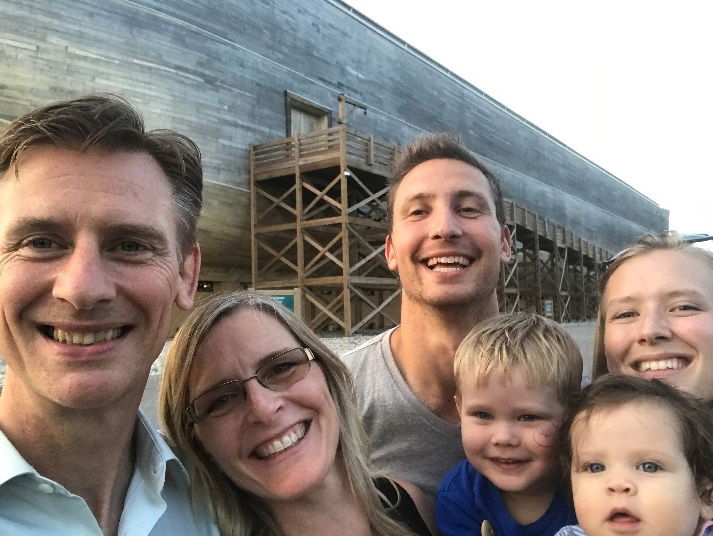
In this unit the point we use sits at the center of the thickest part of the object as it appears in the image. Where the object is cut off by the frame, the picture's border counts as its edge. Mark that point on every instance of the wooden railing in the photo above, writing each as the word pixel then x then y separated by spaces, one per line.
pixel 281 153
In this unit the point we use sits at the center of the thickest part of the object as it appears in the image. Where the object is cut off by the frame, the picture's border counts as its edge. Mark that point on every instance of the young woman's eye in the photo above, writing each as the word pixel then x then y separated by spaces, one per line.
pixel 649 467
pixel 594 467
pixel 686 307
pixel 624 314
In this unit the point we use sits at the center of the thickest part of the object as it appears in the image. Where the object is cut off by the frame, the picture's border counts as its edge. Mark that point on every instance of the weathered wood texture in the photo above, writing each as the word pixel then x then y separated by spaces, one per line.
pixel 217 71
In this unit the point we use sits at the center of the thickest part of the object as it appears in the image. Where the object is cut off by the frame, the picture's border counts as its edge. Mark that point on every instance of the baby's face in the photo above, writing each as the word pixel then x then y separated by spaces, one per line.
pixel 629 473
pixel 510 433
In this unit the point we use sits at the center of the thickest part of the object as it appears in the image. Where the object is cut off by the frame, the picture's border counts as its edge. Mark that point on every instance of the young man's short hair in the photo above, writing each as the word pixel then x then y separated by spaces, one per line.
pixel 432 147
pixel 541 348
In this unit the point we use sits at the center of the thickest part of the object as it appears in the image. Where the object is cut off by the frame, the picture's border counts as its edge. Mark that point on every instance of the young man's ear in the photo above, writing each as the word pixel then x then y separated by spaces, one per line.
pixel 188 273
pixel 390 254
pixel 505 244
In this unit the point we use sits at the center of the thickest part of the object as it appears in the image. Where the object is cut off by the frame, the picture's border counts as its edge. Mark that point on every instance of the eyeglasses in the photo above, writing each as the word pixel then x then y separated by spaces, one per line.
pixel 687 238
pixel 279 373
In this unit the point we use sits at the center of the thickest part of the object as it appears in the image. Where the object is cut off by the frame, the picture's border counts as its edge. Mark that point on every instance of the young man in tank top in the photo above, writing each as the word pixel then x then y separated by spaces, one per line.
pixel 447 241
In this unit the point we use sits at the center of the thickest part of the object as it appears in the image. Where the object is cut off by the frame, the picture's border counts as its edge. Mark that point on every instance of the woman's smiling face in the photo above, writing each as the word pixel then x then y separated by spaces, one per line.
pixel 244 441
pixel 658 320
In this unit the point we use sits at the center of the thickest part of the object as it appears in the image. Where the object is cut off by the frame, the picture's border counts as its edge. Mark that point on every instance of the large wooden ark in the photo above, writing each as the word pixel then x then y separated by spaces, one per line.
pixel 301 107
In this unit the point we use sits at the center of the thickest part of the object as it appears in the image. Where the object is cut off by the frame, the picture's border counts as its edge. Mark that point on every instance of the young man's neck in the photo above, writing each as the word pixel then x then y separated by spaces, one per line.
pixel 424 346
pixel 90 453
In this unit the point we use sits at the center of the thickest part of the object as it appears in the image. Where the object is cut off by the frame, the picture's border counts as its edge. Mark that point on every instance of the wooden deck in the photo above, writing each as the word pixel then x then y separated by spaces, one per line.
pixel 320 150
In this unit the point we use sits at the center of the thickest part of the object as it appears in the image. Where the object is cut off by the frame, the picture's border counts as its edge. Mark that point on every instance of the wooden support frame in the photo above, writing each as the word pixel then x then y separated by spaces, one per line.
pixel 318 223
pixel 337 222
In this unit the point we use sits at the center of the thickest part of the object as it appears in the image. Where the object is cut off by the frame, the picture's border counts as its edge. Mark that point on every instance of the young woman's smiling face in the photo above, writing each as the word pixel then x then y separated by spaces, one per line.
pixel 658 320
pixel 276 445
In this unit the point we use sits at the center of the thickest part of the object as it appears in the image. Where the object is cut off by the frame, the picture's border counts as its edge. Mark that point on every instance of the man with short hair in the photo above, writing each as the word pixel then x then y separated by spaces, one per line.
pixel 97 242
pixel 447 241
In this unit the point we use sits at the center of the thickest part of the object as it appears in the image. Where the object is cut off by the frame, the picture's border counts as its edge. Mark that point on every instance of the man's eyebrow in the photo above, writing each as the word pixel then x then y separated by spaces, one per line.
pixel 29 225
pixel 136 229
pixel 419 196
pixel 458 194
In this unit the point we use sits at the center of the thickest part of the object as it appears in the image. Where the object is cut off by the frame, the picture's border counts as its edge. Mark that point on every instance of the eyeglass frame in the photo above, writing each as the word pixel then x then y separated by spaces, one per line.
pixel 190 407
pixel 687 238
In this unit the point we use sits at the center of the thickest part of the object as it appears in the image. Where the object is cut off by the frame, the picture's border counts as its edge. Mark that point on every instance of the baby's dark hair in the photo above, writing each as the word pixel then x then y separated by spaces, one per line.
pixel 694 418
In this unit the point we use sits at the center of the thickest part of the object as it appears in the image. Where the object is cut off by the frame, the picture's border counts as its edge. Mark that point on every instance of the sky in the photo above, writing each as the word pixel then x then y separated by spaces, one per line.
pixel 628 84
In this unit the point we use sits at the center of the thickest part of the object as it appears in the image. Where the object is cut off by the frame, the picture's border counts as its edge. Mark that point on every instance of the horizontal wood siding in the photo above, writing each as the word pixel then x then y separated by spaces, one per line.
pixel 217 71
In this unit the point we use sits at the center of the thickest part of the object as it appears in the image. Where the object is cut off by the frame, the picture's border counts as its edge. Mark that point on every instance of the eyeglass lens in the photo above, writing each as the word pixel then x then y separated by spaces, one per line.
pixel 277 374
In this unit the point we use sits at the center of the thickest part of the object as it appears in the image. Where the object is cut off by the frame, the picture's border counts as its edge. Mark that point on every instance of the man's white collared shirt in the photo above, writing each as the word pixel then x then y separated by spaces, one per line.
pixel 157 502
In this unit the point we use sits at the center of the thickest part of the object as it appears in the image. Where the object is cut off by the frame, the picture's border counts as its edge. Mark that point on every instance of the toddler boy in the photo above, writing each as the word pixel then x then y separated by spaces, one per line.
pixel 514 375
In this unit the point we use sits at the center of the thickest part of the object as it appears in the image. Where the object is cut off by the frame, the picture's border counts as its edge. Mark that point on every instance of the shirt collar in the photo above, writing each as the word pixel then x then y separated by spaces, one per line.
pixel 13 464
pixel 153 456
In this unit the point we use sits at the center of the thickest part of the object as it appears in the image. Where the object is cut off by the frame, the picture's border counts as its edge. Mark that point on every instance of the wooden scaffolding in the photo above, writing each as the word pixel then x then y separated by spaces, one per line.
pixel 552 271
pixel 318 221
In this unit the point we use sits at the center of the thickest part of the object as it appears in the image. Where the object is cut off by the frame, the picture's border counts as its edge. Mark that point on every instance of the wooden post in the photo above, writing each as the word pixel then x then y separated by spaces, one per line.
pixel 253 215
pixel 299 206
pixel 583 279
pixel 538 276
pixel 341 118
pixel 345 230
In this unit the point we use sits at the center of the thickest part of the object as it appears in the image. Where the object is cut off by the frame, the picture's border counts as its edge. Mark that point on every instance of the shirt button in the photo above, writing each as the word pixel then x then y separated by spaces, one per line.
pixel 46 488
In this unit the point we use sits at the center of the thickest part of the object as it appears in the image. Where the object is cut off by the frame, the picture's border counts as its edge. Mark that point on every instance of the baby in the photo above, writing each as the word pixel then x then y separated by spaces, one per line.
pixel 514 375
pixel 641 460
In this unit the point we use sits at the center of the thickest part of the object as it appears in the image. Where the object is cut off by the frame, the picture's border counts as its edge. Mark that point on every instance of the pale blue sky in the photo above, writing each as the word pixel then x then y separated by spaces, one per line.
pixel 628 84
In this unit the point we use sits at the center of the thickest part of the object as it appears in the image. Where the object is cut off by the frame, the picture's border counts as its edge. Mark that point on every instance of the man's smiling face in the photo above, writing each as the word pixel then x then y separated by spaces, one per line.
pixel 89 271
pixel 446 242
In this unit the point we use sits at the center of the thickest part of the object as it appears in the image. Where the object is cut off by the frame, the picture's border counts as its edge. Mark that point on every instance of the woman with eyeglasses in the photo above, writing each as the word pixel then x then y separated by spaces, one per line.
pixel 655 317
pixel 265 414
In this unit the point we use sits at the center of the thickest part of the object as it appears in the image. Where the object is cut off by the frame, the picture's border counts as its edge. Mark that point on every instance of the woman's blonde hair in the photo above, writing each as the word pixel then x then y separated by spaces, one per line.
pixel 543 349
pixel 239 513
pixel 668 241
